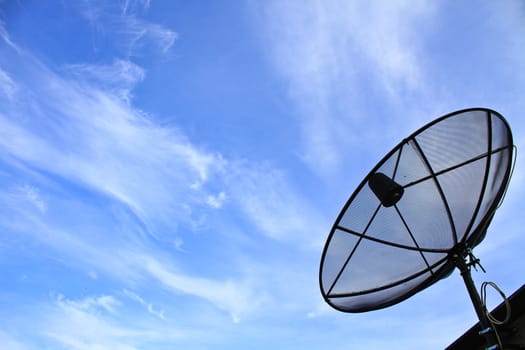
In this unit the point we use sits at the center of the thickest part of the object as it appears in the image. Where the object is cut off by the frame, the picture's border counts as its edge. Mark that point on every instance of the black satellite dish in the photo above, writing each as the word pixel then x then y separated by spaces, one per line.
pixel 418 213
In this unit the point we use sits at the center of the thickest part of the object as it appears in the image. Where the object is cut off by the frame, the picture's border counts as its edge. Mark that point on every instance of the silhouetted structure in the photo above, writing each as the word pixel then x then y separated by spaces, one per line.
pixel 512 333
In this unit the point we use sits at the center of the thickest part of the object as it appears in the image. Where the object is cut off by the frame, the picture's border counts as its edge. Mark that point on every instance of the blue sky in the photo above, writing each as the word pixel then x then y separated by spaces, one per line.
pixel 170 169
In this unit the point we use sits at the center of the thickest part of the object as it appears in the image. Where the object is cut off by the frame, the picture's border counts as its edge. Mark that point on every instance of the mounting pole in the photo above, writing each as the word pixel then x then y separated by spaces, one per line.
pixel 486 328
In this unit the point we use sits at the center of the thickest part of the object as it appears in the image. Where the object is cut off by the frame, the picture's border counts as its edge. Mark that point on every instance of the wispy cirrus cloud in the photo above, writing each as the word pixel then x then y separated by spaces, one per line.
pixel 232 296
pixel 123 258
pixel 83 133
pixel 87 133
pixel 141 33
pixel 107 303
pixel 7 85
pixel 75 129
pixel 151 309
pixel 119 77
pixel 4 35
pixel 83 130
pixel 89 324
pixel 32 194
pixel 101 143
pixel 123 21
pixel 132 5
pixel 266 196
pixel 66 322
pixel 216 201
pixel 333 55
pixel 11 343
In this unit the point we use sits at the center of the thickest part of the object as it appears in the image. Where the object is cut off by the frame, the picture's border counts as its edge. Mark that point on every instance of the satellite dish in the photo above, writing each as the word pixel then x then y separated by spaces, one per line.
pixel 418 213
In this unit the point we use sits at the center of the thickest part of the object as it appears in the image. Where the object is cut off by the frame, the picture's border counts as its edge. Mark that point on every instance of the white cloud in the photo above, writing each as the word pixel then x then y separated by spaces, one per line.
pixel 178 242
pixel 386 34
pixel 273 205
pixel 105 302
pixel 119 77
pixel 333 54
pixel 93 275
pixel 129 262
pixel 85 135
pixel 7 86
pixel 130 6
pixel 142 33
pixel 78 324
pixel 99 141
pixel 32 194
pixel 68 323
pixel 23 196
pixel 123 258
pixel 4 35
pixel 232 296
pixel 71 246
pixel 141 301
pixel 216 201
pixel 92 137
pixel 11 343
pixel 122 22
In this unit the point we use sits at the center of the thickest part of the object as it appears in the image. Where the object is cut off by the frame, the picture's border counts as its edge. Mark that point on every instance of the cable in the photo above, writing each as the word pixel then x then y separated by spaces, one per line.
pixel 494 321
pixel 484 301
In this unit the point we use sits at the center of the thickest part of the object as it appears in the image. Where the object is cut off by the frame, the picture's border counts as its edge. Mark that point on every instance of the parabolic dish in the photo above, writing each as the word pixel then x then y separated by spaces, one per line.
pixel 450 175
